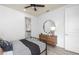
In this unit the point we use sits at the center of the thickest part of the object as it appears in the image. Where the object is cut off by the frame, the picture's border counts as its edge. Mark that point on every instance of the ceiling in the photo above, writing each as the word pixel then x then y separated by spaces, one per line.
pixel 40 10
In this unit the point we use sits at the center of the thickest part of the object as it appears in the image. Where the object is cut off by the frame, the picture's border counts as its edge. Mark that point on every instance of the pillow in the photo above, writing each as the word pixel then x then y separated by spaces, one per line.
pixel 5 45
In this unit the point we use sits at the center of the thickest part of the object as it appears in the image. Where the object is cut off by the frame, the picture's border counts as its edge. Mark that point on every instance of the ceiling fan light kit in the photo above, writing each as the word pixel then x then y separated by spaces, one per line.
pixel 24 9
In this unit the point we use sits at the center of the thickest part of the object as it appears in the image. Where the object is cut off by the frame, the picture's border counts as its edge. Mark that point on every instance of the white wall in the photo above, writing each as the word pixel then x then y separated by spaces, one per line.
pixel 58 17
pixel 12 24
pixel 35 27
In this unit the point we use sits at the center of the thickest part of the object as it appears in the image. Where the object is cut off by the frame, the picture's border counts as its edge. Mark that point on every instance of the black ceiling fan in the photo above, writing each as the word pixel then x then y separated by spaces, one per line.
pixel 35 5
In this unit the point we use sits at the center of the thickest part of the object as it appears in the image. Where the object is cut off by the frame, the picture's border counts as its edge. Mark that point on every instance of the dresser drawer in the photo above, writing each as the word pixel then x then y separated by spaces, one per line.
pixel 51 40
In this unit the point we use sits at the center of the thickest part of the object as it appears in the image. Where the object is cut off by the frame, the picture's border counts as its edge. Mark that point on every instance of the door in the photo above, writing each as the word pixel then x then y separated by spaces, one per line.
pixel 72 29
pixel 28 27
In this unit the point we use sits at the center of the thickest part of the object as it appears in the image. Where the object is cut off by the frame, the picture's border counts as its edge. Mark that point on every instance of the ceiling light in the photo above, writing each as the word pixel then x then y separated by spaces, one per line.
pixel 24 9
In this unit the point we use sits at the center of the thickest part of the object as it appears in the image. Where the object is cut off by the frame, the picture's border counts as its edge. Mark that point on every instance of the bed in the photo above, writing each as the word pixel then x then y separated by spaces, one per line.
pixel 21 49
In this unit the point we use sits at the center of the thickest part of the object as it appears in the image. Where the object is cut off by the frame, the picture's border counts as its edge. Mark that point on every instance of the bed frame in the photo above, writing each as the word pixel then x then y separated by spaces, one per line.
pixel 45 50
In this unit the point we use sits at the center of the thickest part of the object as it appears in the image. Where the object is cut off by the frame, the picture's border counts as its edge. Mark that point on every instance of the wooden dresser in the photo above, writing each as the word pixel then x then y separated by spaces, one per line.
pixel 49 39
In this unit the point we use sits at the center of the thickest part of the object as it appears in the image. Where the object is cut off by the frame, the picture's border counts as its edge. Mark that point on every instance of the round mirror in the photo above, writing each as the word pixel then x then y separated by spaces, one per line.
pixel 49 27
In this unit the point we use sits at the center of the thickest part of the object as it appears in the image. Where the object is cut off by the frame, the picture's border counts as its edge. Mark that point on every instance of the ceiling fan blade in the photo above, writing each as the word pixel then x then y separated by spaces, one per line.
pixel 37 5
pixel 27 6
pixel 40 5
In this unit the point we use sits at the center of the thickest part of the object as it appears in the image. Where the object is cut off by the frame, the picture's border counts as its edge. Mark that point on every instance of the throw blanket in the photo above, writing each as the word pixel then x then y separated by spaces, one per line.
pixel 35 50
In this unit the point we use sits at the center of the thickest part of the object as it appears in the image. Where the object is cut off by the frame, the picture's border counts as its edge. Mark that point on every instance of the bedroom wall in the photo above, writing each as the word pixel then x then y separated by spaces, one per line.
pixel 12 24
pixel 35 29
pixel 58 17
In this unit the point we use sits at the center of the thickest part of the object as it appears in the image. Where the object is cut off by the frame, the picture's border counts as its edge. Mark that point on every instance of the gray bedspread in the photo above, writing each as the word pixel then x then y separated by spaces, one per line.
pixel 20 49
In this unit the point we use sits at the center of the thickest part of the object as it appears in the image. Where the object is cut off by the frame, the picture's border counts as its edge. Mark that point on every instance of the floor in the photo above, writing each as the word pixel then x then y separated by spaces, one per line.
pixel 59 51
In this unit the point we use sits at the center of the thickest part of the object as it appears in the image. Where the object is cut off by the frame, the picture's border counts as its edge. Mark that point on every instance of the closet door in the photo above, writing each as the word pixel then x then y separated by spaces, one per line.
pixel 72 28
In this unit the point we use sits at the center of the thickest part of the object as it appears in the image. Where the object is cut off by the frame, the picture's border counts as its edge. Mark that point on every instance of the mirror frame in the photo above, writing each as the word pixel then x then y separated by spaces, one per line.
pixel 52 22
